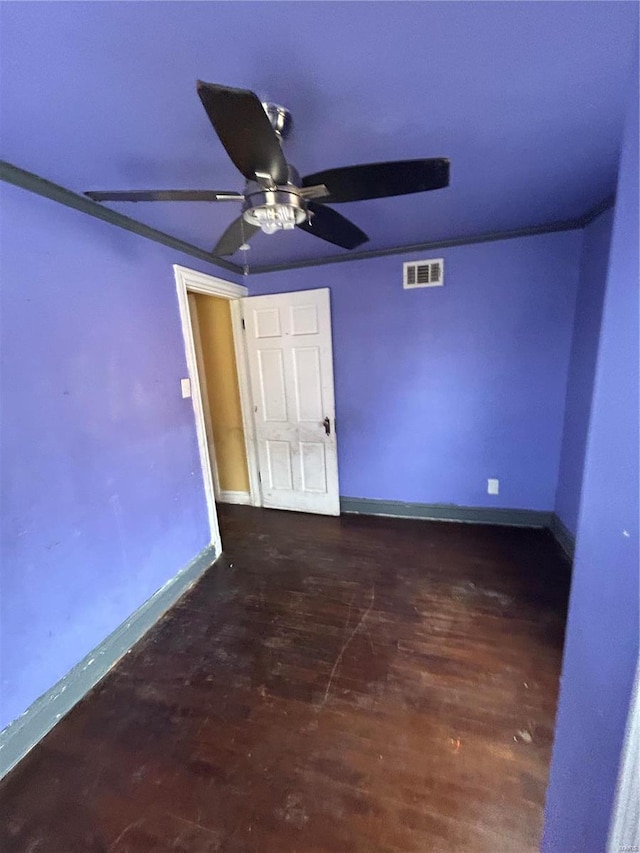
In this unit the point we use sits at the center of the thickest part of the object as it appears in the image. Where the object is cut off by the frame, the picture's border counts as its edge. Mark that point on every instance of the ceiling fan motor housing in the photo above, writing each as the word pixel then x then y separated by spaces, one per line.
pixel 274 209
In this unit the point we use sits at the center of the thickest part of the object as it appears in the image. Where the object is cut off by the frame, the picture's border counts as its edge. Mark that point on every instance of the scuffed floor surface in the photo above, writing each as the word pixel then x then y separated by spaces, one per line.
pixel 352 685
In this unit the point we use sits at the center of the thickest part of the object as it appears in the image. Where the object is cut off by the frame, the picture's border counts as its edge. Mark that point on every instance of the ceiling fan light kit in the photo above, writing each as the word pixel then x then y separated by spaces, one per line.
pixel 275 197
pixel 277 210
pixel 270 207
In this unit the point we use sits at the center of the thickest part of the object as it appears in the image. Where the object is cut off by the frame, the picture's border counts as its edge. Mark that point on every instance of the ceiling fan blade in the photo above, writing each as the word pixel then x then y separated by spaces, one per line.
pixel 244 129
pixel 165 195
pixel 333 227
pixel 240 231
pixel 379 180
pixel 314 192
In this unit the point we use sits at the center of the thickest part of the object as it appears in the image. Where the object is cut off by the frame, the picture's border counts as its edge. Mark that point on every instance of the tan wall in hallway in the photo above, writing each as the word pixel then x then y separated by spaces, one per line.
pixel 222 392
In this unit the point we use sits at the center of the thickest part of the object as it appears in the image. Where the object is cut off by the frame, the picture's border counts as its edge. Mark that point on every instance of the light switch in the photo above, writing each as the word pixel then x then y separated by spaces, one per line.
pixel 185 385
pixel 493 486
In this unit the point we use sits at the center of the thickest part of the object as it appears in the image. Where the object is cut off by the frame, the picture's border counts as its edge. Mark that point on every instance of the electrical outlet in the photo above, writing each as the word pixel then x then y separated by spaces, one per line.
pixel 493 486
pixel 185 387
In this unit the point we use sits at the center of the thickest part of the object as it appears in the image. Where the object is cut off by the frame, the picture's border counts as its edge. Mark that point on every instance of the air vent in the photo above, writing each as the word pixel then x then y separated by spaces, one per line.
pixel 423 274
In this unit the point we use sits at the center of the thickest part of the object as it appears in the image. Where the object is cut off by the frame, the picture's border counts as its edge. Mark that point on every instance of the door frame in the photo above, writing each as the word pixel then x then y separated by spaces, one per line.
pixel 190 281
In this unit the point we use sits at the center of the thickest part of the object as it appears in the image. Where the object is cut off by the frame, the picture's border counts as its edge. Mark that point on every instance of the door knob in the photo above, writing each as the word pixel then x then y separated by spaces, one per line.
pixel 327 426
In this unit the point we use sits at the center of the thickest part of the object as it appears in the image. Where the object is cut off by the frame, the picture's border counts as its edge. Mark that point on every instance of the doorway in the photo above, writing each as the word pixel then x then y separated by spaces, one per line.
pixel 191 282
pixel 220 389
pixel 271 440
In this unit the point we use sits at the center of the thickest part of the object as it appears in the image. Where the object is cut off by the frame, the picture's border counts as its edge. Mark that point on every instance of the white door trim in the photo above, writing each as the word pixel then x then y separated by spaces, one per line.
pixel 190 281
pixel 625 824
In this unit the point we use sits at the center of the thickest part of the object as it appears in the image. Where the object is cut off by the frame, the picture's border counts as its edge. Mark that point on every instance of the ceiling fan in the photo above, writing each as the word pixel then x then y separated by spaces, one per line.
pixel 275 197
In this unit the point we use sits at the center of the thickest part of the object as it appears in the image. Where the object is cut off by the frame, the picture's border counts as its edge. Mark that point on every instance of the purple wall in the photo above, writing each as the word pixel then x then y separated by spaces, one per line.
pixel 584 350
pixel 439 389
pixel 601 649
pixel 102 497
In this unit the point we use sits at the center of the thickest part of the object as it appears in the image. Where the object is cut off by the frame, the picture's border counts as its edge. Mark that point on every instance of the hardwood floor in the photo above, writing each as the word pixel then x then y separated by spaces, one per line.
pixel 353 685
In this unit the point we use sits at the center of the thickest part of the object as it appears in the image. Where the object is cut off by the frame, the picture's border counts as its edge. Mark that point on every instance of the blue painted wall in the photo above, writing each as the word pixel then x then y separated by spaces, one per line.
pixel 584 350
pixel 102 499
pixel 601 650
pixel 102 496
pixel 438 389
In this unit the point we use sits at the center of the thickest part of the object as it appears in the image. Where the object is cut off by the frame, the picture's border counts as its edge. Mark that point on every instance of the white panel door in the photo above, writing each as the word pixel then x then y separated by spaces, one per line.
pixel 288 338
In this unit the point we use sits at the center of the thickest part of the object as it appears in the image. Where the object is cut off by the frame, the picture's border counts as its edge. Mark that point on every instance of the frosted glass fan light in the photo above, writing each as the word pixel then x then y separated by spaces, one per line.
pixel 275 217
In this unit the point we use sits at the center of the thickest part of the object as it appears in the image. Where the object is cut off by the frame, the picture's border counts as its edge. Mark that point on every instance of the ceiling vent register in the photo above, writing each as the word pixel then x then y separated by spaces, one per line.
pixel 423 274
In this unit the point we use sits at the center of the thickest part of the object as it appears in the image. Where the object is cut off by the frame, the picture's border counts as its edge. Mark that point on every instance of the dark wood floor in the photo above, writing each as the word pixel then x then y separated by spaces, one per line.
pixel 352 685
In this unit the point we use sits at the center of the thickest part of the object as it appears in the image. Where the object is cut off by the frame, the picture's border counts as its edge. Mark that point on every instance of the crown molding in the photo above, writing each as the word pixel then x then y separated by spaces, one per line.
pixel 33 183
pixel 550 228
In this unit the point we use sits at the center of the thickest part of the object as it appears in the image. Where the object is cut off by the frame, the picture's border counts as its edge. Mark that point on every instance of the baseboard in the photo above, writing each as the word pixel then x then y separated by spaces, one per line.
pixel 24 733
pixel 227 497
pixel 563 536
pixel 448 512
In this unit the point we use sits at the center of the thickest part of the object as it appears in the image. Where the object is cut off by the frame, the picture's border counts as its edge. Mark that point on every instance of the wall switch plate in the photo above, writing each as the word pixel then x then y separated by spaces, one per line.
pixel 493 486
pixel 185 386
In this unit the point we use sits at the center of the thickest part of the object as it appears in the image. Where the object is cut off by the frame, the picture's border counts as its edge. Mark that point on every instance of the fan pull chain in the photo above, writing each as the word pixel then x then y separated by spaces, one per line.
pixel 244 248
